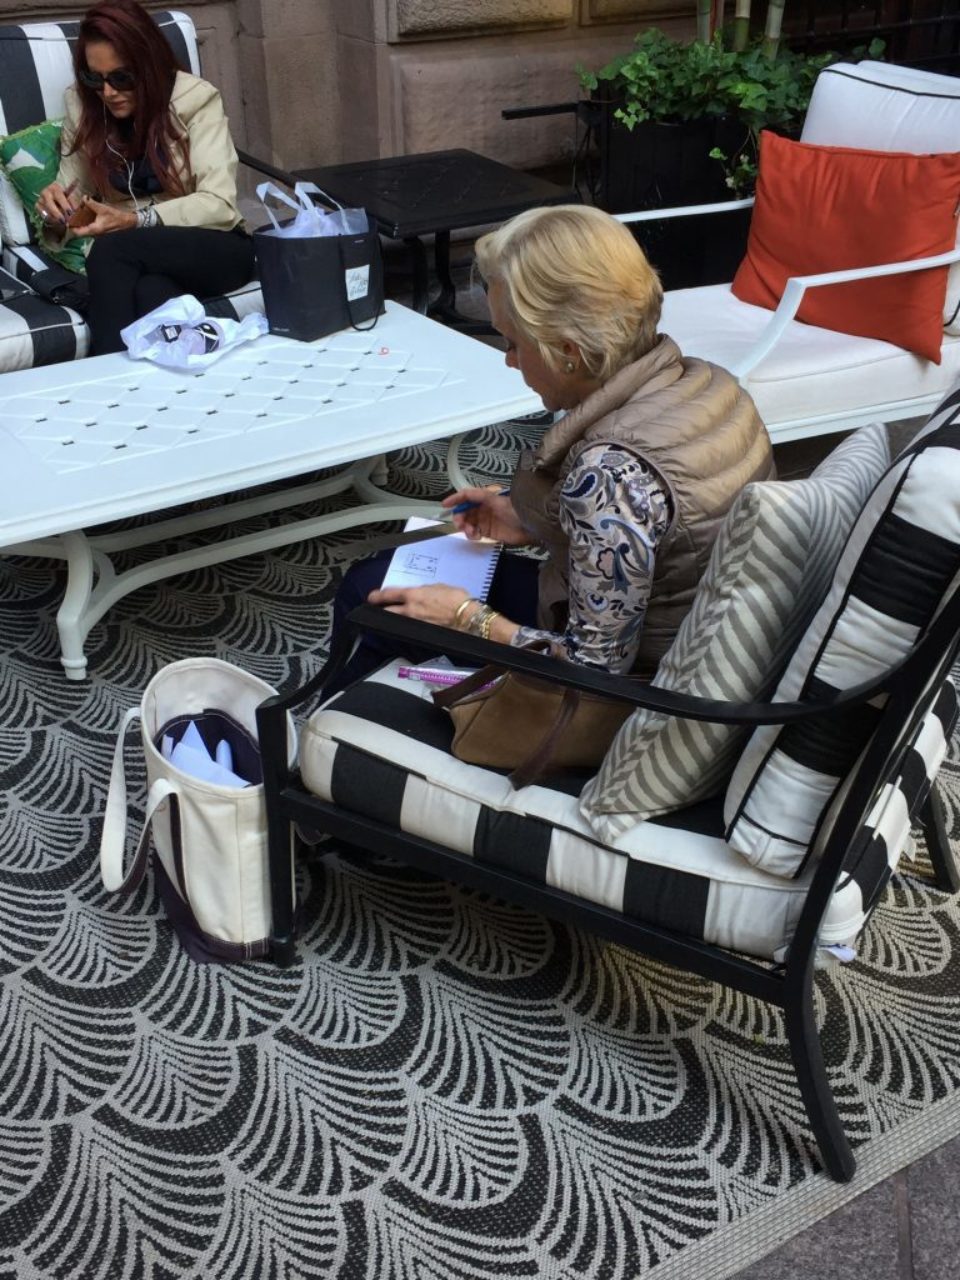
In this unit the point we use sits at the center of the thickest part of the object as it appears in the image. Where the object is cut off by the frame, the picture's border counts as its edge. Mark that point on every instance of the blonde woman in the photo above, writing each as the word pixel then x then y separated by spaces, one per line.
pixel 627 489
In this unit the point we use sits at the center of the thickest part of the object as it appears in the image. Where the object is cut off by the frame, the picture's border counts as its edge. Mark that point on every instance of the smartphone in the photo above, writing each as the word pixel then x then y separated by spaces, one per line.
pixel 81 217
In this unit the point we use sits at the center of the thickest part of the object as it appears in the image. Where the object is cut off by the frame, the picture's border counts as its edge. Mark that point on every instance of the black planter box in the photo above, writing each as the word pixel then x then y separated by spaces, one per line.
pixel 660 166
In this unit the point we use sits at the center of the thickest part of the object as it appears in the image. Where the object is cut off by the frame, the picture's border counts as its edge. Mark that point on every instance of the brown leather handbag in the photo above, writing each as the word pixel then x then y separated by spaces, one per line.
pixel 506 720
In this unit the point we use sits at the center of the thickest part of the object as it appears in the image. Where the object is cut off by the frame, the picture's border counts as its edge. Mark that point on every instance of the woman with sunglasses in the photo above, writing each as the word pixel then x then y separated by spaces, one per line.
pixel 148 170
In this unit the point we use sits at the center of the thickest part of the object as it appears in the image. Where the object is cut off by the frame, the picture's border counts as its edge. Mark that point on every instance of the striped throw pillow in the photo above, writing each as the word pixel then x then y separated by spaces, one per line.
pixel 901 557
pixel 768 572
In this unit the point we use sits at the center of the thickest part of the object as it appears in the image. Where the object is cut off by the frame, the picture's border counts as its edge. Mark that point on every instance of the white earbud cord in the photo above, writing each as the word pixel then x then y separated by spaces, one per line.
pixel 127 164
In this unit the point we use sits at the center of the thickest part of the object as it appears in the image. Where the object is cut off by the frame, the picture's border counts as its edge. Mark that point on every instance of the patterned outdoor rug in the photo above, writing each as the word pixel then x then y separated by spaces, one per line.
pixel 447 1087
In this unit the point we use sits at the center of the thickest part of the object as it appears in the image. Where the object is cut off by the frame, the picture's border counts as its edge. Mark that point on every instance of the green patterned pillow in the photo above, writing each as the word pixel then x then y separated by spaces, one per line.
pixel 30 161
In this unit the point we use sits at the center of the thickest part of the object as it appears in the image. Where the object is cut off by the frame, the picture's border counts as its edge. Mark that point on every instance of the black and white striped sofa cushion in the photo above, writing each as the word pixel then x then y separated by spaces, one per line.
pixel 34 332
pixel 381 749
pixel 900 559
pixel 769 570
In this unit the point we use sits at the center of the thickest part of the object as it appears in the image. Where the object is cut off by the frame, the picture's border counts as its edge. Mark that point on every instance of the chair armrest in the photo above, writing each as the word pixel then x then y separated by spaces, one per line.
pixel 797 286
pixel 686 210
pixel 568 674
pixel 270 170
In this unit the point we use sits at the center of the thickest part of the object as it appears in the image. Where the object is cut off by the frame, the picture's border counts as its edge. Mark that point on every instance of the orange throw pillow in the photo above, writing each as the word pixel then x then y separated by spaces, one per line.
pixel 832 208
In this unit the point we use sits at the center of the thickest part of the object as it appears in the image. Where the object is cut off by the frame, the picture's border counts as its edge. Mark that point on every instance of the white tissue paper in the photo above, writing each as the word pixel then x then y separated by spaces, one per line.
pixel 180 334
pixel 190 755
pixel 311 219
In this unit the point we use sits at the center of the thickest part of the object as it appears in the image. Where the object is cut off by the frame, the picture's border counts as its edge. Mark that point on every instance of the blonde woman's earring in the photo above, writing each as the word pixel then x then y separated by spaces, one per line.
pixel 570 366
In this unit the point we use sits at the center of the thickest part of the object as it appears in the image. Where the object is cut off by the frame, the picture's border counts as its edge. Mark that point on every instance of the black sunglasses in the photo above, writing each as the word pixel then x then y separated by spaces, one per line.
pixel 121 79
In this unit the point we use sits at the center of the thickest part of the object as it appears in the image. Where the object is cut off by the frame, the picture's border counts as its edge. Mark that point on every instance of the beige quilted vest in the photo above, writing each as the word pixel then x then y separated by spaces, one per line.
pixel 692 422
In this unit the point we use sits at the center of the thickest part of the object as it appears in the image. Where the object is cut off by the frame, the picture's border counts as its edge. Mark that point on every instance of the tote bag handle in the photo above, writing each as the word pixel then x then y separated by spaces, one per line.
pixel 270 190
pixel 299 202
pixel 114 837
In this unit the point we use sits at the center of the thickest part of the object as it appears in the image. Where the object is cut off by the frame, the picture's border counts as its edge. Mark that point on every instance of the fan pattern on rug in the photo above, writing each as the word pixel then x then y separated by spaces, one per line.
pixel 447 1087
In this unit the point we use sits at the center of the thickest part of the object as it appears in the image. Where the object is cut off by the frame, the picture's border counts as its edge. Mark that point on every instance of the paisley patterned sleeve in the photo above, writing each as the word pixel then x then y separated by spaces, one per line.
pixel 614 509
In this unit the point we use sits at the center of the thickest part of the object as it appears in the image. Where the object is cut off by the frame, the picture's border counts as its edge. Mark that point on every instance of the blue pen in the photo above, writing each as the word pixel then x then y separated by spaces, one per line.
pixel 461 507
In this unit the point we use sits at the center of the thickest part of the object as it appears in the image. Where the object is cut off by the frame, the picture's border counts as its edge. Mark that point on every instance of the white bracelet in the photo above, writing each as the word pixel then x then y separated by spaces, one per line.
pixel 147 217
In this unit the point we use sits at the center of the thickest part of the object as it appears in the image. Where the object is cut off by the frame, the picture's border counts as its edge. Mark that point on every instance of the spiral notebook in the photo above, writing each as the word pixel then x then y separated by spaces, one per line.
pixel 453 560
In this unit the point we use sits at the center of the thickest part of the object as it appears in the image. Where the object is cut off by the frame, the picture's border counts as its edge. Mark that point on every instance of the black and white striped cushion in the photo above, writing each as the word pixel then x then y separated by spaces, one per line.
pixel 900 559
pixel 34 332
pixel 382 749
pixel 36 68
pixel 769 570
pixel 236 304
pixel 875 852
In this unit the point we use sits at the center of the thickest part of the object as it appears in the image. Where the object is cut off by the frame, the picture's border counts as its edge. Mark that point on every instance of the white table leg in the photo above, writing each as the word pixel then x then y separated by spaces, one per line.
pixel 71 616
pixel 458 479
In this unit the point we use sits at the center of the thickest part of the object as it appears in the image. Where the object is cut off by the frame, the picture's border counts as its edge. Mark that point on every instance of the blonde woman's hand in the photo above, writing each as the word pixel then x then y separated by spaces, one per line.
pixel 437 604
pixel 491 515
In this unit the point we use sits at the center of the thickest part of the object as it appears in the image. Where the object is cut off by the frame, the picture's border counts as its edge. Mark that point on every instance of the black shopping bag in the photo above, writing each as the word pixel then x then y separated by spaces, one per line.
pixel 317 285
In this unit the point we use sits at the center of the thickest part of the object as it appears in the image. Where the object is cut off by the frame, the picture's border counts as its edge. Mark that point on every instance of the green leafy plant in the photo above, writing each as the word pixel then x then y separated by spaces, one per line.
pixel 665 80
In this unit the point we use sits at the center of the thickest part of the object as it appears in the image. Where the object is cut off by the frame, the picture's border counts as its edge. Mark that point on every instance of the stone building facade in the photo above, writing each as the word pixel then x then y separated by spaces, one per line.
pixel 310 82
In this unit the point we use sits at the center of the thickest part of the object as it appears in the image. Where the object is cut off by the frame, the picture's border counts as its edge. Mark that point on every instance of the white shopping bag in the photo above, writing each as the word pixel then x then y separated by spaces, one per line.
pixel 180 334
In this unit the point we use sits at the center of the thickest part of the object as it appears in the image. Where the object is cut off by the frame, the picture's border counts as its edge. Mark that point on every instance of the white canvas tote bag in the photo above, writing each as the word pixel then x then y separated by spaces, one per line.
pixel 213 869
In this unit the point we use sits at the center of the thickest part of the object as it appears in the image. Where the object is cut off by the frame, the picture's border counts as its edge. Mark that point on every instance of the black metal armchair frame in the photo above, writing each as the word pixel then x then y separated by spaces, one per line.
pixel 908 689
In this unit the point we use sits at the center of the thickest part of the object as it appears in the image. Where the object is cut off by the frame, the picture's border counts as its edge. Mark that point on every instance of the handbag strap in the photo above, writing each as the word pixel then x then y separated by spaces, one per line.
pixel 113 838
pixel 360 328
pixel 539 760
pixel 447 696
pixel 477 680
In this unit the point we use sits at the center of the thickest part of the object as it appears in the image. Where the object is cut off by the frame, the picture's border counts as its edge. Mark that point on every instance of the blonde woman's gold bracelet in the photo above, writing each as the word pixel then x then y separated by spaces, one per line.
pixel 458 616
pixel 489 615
pixel 481 620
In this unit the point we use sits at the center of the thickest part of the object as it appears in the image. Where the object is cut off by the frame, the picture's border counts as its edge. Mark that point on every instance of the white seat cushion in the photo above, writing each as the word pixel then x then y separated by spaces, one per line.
pixel 811 372
pixel 381 749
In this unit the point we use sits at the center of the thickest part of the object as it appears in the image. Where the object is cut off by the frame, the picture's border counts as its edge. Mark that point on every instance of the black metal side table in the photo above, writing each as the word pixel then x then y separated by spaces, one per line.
pixel 434 193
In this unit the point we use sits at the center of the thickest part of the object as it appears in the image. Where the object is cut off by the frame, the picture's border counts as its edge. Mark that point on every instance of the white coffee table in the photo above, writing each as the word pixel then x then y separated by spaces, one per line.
pixel 107 438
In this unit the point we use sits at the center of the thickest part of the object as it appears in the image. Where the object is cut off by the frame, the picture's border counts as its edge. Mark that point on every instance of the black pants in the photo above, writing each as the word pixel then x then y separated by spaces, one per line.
pixel 131 272
pixel 513 593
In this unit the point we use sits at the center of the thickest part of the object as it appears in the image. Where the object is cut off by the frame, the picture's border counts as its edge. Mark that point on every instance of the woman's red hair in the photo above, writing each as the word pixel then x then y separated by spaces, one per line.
pixel 142 49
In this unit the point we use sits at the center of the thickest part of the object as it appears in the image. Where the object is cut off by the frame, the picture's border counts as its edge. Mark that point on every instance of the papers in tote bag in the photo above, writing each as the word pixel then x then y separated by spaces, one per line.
pixel 192 756
pixel 453 560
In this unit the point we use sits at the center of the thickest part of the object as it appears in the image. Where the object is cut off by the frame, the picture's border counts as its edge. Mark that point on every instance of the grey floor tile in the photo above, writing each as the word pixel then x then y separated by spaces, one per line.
pixel 934 1187
pixel 860 1240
